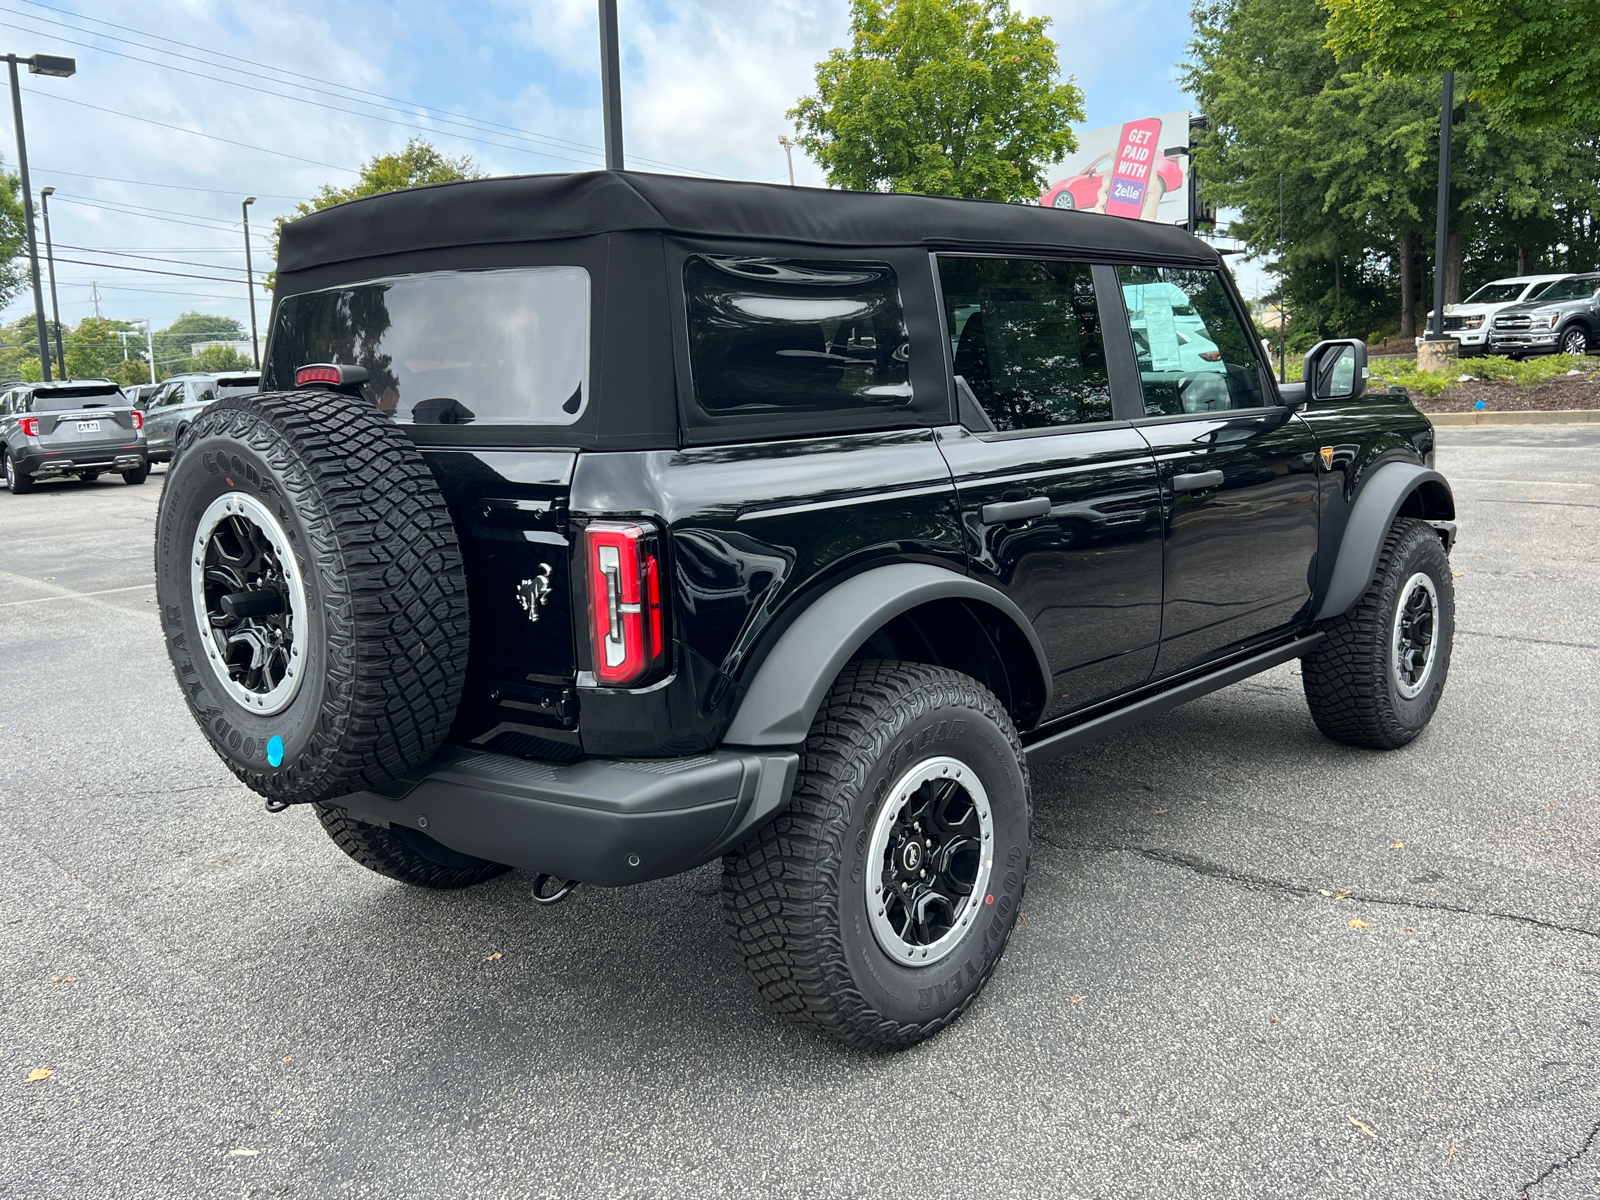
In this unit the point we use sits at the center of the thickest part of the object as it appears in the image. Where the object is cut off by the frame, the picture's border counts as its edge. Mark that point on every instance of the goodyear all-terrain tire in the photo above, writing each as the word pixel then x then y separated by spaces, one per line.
pixel 1376 678
pixel 408 855
pixel 876 906
pixel 311 592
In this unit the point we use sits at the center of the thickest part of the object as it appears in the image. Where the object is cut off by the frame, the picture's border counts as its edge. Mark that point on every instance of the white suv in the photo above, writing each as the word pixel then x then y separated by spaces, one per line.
pixel 1469 321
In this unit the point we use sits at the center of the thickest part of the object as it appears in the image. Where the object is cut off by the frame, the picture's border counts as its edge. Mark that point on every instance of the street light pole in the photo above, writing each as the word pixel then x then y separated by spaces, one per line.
pixel 611 84
pixel 788 153
pixel 50 262
pixel 149 343
pixel 1283 318
pixel 250 281
pixel 38 64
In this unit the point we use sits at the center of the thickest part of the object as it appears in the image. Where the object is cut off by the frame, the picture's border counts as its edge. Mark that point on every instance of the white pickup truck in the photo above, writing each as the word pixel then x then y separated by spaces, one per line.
pixel 1469 321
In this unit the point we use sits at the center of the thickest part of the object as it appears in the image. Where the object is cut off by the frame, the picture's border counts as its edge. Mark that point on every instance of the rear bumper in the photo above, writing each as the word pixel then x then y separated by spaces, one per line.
pixel 42 464
pixel 603 821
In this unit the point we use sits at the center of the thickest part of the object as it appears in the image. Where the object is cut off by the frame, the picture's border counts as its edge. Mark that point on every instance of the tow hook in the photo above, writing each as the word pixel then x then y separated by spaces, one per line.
pixel 277 806
pixel 552 889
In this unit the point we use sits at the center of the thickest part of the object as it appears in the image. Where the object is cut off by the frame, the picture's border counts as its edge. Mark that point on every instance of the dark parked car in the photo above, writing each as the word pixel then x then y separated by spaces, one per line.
pixel 78 427
pixel 606 525
pixel 1564 318
pixel 178 400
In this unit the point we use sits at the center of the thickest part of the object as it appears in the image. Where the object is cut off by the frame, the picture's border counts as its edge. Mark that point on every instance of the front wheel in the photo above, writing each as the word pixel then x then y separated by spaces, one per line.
pixel 1575 341
pixel 1064 199
pixel 1376 678
pixel 875 908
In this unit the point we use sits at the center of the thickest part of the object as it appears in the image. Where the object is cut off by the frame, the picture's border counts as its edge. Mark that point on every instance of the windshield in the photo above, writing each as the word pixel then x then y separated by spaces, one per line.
pixel 1580 287
pixel 502 347
pixel 1496 293
pixel 237 385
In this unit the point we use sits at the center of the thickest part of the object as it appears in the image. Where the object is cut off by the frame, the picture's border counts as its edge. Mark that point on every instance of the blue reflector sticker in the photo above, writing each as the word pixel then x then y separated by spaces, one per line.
pixel 275 750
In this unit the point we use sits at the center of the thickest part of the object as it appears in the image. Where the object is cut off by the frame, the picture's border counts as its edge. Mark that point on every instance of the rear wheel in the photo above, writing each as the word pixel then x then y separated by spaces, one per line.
pixel 1376 678
pixel 89 476
pixel 408 855
pixel 1064 199
pixel 137 475
pixel 874 909
pixel 16 481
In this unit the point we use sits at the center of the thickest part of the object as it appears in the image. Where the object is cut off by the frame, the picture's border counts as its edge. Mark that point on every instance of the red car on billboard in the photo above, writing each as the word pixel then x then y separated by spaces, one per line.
pixel 1083 190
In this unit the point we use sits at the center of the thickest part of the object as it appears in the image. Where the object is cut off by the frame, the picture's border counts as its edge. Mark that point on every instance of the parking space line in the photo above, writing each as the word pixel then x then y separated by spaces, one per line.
pixel 66 595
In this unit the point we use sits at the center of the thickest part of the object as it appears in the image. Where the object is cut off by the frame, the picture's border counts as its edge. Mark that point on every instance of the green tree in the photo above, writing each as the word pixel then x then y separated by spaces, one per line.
pixel 1531 64
pixel 945 97
pixel 13 237
pixel 173 343
pixel 220 358
pixel 418 164
pixel 94 347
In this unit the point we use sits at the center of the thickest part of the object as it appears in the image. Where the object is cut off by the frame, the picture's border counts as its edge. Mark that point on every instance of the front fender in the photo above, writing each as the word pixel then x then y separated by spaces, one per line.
pixel 1377 504
pixel 788 688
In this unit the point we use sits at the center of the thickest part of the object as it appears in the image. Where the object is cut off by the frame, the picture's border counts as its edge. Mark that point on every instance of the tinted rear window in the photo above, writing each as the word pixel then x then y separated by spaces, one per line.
pixel 61 399
pixel 506 347
pixel 795 335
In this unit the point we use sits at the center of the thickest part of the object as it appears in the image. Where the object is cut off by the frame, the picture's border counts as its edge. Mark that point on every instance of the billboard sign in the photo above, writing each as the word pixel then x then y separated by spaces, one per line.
pixel 1125 170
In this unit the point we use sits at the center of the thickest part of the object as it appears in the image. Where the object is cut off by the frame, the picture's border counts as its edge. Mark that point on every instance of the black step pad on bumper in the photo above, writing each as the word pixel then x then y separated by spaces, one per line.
pixel 602 821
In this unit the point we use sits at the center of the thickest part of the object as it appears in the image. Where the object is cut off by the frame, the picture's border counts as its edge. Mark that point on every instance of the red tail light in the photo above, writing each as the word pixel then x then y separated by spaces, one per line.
pixel 30 426
pixel 626 626
pixel 307 375
pixel 138 419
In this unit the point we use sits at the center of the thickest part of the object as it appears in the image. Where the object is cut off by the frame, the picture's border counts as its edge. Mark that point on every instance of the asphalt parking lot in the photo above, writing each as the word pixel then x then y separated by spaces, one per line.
pixel 1255 963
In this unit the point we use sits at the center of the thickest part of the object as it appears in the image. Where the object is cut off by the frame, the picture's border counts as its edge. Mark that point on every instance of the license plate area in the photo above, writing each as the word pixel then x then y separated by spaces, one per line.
pixel 88 426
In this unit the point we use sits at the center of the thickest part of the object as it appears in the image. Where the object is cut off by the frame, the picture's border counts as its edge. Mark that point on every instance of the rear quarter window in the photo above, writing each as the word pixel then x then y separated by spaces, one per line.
pixel 789 335
pixel 494 347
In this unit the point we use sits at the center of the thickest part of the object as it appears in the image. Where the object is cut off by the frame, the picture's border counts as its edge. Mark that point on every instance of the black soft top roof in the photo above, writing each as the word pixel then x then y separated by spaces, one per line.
pixel 536 208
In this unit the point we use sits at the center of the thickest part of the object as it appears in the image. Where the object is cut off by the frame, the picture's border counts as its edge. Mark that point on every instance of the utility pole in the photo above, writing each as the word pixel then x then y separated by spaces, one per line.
pixel 611 84
pixel 250 282
pixel 38 64
pixel 50 262
pixel 1441 240
pixel 1283 317
pixel 788 152
pixel 94 296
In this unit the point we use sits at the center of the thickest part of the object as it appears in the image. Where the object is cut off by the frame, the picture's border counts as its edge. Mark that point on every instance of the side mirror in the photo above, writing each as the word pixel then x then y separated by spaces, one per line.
pixel 1337 370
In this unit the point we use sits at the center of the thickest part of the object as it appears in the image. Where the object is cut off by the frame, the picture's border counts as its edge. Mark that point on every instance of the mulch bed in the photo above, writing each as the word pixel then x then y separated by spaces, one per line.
pixel 1566 392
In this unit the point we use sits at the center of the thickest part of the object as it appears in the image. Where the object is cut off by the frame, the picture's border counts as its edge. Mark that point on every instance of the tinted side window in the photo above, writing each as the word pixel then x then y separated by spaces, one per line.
pixel 795 335
pixel 1194 353
pixel 1025 335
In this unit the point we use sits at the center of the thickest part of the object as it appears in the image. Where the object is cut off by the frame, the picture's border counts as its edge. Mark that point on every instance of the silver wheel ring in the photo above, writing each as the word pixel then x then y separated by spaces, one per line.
pixel 892 944
pixel 1412 690
pixel 239 504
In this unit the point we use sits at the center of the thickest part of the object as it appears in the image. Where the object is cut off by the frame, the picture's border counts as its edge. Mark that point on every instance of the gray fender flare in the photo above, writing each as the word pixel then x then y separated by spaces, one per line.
pixel 1376 506
pixel 788 688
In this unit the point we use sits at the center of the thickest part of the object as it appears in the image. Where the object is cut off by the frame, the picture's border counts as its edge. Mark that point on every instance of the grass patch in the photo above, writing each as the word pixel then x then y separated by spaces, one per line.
pixel 1527 374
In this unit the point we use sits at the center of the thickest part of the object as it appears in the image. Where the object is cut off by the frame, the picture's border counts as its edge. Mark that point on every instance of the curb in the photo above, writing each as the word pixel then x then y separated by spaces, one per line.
pixel 1557 416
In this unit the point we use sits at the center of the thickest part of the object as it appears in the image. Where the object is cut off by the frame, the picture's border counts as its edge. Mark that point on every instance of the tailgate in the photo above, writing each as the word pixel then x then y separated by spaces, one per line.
pixel 87 429
pixel 510 508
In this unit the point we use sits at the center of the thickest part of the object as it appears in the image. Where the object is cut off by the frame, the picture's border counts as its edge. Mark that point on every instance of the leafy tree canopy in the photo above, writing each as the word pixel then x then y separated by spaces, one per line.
pixel 945 97
pixel 173 354
pixel 220 358
pixel 1533 64
pixel 13 238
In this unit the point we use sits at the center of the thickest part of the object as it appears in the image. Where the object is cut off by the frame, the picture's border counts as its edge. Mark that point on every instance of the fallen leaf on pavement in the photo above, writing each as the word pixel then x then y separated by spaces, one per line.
pixel 1021 916
pixel 1547 807
pixel 1452 1153
pixel 241 1152
pixel 1339 895
pixel 1366 1129
pixel 1159 811
pixel 493 956
pixel 1073 999
pixel 38 1073
pixel 1397 845
pixel 1358 923
pixel 288 1058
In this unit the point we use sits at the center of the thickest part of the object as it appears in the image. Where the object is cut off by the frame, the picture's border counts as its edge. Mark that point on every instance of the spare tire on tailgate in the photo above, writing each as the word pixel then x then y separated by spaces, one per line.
pixel 311 592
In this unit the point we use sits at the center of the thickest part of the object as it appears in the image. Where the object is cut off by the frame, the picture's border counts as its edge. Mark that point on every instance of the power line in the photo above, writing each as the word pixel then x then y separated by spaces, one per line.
pixel 195 132
pixel 181 262
pixel 149 216
pixel 179 187
pixel 224 224
pixel 360 98
pixel 77 262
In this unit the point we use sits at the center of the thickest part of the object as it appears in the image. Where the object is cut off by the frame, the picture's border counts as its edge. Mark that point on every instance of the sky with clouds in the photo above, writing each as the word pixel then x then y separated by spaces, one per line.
pixel 182 108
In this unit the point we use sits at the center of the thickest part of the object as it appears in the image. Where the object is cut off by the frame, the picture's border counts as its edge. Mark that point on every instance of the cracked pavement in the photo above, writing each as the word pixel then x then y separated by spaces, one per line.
pixel 1254 963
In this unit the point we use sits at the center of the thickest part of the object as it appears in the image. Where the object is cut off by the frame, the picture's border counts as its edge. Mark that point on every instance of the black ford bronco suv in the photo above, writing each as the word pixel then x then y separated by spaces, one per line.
pixel 602 525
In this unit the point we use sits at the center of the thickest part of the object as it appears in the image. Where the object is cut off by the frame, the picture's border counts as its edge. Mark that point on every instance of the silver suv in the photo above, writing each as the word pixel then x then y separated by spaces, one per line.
pixel 79 427
pixel 180 399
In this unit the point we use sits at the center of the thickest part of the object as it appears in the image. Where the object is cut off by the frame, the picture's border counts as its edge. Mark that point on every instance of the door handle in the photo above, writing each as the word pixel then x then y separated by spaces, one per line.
pixel 1199 481
pixel 1004 511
